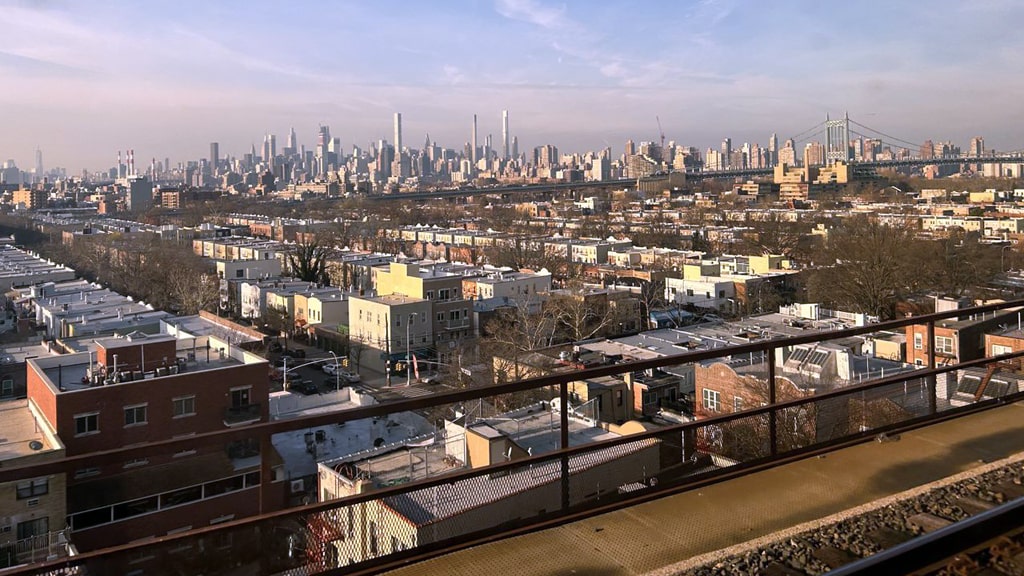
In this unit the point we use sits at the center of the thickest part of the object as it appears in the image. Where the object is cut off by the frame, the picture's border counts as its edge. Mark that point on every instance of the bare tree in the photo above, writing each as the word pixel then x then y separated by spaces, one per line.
pixel 307 260
pixel 867 266
pixel 581 313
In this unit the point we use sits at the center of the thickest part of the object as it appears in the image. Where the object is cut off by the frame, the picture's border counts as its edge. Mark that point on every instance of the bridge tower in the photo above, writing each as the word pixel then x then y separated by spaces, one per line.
pixel 837 138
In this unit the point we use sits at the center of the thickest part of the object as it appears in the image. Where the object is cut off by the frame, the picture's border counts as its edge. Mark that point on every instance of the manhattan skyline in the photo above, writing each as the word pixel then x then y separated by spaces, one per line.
pixel 166 79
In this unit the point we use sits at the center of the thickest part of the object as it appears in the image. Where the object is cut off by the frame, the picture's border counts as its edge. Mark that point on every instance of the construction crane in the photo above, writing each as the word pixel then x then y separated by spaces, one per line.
pixel 660 131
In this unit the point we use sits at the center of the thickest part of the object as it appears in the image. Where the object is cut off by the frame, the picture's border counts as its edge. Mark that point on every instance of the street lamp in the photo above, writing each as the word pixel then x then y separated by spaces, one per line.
pixel 337 371
pixel 408 349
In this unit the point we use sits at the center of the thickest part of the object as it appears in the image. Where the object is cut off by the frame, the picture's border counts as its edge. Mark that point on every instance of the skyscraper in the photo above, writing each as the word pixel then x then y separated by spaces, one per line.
pixel 773 150
pixel 291 140
pixel 472 143
pixel 214 157
pixel 504 134
pixel 398 133
pixel 39 164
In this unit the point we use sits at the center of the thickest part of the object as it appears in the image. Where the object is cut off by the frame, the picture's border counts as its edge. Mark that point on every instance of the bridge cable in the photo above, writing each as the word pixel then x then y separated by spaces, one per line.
pixel 805 132
pixel 906 142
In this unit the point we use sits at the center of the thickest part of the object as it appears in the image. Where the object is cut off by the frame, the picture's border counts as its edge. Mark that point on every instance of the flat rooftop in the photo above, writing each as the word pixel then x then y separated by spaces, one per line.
pixel 20 433
pixel 71 372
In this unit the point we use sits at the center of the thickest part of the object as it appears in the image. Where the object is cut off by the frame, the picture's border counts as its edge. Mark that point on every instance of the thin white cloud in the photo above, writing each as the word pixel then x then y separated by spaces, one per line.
pixel 533 12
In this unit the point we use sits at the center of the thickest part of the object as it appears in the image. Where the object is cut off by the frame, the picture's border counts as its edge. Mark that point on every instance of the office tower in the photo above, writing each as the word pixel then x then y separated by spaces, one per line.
pixel 773 150
pixel 726 151
pixel 515 146
pixel 630 148
pixel 292 139
pixel 214 157
pixel 472 143
pixel 504 134
pixel 39 163
pixel 398 133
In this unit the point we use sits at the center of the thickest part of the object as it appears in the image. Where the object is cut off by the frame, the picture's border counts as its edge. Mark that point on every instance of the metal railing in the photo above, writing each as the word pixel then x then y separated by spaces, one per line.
pixel 235 415
pixel 412 514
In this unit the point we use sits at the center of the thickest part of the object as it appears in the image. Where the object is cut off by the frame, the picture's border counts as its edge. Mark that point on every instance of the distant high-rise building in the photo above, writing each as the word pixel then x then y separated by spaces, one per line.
pixel 515 146
pixel 787 155
pixel 504 135
pixel 292 139
pixel 39 164
pixel 814 154
pixel 773 149
pixel 726 151
pixel 630 148
pixel 214 157
pixel 472 143
pixel 927 150
pixel 977 146
pixel 398 133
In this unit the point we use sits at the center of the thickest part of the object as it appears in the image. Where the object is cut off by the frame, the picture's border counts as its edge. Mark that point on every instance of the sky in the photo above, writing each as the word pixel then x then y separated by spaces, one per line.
pixel 82 80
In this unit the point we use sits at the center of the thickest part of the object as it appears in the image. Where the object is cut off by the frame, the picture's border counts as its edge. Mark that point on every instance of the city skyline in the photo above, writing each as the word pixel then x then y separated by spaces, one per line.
pixel 166 81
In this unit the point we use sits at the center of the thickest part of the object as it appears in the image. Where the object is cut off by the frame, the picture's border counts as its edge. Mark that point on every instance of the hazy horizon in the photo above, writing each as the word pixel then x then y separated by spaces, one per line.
pixel 166 79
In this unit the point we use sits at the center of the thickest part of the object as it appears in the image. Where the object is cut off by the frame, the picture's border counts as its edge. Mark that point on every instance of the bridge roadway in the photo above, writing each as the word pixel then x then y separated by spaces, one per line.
pixel 661 536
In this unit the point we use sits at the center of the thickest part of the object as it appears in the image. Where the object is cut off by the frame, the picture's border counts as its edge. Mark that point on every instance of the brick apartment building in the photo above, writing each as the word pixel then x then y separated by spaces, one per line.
pixel 148 388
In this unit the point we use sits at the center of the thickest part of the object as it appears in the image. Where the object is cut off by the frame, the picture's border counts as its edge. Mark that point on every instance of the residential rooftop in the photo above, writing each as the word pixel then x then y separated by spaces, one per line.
pixel 23 432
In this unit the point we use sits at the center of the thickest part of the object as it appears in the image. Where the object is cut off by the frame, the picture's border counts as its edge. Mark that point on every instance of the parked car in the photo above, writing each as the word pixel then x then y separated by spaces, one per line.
pixel 340 374
pixel 307 387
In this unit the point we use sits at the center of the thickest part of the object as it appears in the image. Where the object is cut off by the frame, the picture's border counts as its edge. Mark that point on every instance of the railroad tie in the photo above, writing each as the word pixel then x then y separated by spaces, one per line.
pixel 928 522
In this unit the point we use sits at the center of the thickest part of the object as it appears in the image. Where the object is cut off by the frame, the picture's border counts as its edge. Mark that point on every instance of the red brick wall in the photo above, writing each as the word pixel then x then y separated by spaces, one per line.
pixel 130 356
pixel 211 389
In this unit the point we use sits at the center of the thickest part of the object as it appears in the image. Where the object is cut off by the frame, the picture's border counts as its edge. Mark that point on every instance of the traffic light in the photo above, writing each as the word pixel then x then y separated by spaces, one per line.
pixel 399 366
pixel 344 362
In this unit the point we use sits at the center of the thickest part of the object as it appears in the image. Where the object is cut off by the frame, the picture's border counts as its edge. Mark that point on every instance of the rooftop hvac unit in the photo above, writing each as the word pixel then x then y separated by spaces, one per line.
pixel 298 486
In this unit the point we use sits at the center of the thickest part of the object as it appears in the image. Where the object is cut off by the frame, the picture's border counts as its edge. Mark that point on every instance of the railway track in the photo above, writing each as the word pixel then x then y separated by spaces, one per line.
pixel 842 539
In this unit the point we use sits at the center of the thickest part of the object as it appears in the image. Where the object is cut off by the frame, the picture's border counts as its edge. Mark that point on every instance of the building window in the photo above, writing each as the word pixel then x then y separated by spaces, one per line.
pixel 618 397
pixel 240 397
pixel 87 424
pixel 443 294
pixel 7 388
pixel 32 488
pixel 31 528
pixel 711 400
pixel 134 415
pixel 918 341
pixel 373 537
pixel 943 345
pixel 737 404
pixel 999 350
pixel 440 316
pixel 184 406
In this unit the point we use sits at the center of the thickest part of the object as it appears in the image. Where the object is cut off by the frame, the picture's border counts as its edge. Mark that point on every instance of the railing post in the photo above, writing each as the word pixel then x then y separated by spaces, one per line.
pixel 266 473
pixel 932 408
pixel 773 418
pixel 563 395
